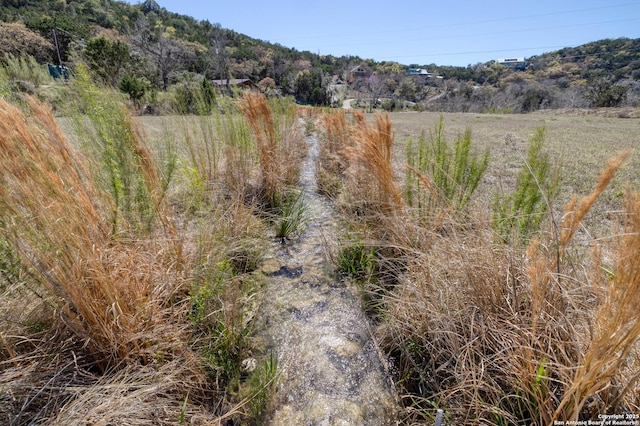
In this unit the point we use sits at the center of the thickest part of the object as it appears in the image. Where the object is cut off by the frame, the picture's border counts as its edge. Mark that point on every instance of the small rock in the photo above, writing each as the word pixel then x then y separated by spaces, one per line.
pixel 270 266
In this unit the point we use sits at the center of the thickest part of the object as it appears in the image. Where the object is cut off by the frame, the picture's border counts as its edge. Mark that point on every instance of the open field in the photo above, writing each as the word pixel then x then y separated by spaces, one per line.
pixel 580 144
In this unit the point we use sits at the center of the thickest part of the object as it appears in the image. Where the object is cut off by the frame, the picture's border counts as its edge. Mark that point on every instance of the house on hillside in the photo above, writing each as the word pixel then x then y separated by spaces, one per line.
pixel 419 71
pixel 358 73
pixel 515 63
pixel 235 83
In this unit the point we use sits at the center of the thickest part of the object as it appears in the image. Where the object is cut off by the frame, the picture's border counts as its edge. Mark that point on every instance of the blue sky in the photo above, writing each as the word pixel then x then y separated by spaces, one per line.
pixel 422 32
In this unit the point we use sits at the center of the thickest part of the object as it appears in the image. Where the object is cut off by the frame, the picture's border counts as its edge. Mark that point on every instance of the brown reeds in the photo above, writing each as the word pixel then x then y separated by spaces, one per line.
pixel 280 141
pixel 334 143
pixel 260 118
pixel 496 335
pixel 113 294
pixel 371 153
pixel 615 328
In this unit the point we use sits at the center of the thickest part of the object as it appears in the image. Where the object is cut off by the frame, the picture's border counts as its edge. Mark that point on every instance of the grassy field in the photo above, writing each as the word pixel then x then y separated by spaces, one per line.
pixel 579 144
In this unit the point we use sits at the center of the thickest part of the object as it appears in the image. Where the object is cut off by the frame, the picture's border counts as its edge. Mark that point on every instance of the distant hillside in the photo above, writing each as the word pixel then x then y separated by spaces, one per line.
pixel 146 46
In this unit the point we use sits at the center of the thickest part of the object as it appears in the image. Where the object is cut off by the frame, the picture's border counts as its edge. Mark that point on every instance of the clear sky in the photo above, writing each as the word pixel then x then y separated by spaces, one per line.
pixel 420 31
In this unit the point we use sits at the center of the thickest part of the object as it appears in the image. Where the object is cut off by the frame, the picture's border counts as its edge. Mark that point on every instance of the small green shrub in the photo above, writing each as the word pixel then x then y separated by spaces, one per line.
pixel 357 260
pixel 193 97
pixel 221 321
pixel 439 177
pixel 518 216
pixel 204 292
pixel 135 87
pixel 262 386
pixel 290 215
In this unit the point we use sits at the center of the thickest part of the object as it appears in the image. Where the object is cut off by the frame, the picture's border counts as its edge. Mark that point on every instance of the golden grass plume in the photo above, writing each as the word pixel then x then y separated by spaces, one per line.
pixel 113 294
pixel 371 154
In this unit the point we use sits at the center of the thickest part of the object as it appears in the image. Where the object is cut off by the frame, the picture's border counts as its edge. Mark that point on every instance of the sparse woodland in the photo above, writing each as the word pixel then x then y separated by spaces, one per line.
pixel 169 55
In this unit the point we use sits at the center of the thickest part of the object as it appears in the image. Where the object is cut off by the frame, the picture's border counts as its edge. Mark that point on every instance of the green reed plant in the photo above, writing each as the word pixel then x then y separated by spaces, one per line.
pixel 223 292
pixel 262 385
pixel 23 68
pixel 290 214
pixel 126 168
pixel 439 177
pixel 518 216
pixel 200 165
pixel 226 339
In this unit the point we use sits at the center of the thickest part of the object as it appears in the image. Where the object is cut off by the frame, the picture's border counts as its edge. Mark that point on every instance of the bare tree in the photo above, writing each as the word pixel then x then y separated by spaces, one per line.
pixel 374 86
pixel 158 42
pixel 218 52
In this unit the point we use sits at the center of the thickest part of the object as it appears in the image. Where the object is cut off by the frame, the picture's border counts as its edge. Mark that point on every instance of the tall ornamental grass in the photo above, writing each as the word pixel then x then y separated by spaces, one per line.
pixel 112 313
pixel 372 175
pixel 113 295
pixel 334 141
pixel 496 334
pixel 280 144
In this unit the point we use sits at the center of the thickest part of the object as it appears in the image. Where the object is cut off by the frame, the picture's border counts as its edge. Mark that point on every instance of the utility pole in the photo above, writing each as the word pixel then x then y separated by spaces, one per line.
pixel 55 39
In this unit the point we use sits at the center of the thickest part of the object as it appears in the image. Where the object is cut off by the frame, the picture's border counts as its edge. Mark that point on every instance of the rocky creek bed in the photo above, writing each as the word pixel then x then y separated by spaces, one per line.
pixel 330 371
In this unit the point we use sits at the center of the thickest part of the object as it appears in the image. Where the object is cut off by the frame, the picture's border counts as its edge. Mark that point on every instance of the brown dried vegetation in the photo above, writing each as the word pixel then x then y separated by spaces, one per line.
pixel 495 333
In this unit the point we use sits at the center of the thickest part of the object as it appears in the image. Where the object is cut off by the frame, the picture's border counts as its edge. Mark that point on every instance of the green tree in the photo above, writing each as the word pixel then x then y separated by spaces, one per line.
pixel 310 88
pixel 603 92
pixel 107 59
pixel 135 87
pixel 67 30
pixel 407 89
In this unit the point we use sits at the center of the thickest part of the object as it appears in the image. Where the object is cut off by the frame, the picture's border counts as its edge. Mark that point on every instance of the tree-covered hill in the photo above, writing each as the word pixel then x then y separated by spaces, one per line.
pixel 148 47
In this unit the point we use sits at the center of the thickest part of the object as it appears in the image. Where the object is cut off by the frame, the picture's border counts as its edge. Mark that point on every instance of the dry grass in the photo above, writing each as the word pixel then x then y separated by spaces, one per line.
pixel 335 141
pixel 112 295
pixel 280 144
pixel 495 337
pixel 615 329
pixel 497 334
pixel 106 332
pixel 372 173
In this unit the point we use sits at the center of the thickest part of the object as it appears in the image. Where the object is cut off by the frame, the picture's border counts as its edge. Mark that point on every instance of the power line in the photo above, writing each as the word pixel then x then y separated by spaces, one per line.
pixel 484 21
pixel 475 35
